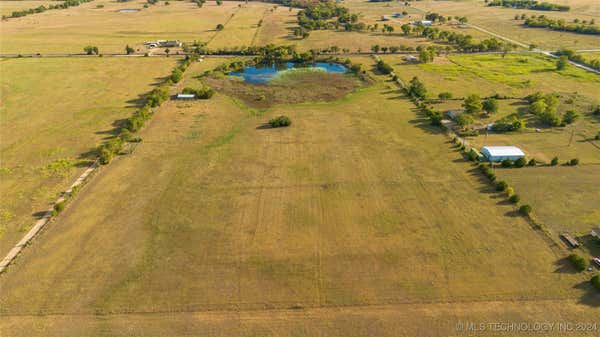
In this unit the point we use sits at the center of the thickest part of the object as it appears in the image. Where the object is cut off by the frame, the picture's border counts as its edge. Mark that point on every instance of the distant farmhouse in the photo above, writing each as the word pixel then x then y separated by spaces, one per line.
pixel 500 153
pixel 163 44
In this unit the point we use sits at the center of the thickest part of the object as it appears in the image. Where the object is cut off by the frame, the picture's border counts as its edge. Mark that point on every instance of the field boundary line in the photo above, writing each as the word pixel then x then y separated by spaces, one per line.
pixel 48 215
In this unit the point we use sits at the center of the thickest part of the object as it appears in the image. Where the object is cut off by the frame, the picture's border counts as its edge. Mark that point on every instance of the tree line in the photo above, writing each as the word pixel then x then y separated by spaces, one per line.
pixel 42 8
pixel 577 26
pixel 529 4
pixel 573 56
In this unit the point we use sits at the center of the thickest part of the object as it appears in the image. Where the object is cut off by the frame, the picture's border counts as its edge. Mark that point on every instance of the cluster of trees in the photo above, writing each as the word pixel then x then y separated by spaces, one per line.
pixel 137 120
pixel 200 93
pixel 561 25
pixel 42 8
pixel 514 124
pixel 573 56
pixel 384 68
pixel 578 262
pixel 281 121
pixel 529 4
pixel 322 14
pixel 462 42
pixel 91 50
pixel 546 106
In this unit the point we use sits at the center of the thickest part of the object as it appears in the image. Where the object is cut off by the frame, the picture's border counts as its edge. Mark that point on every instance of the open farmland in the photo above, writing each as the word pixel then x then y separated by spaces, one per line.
pixel 69 30
pixel 76 102
pixel 7 7
pixel 223 214
pixel 501 21
pixel 559 195
pixel 295 189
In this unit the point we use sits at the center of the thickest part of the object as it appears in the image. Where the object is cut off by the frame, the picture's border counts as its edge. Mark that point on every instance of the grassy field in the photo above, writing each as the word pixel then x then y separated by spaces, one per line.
pixel 501 21
pixel 290 227
pixel 7 7
pixel 68 31
pixel 241 29
pixel 52 111
pixel 560 195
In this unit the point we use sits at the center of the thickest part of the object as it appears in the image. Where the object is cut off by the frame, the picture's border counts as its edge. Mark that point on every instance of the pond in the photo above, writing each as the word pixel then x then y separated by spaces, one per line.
pixel 262 74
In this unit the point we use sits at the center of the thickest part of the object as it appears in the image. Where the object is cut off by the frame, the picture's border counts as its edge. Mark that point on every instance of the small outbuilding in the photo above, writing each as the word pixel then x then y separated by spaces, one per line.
pixel 500 153
pixel 595 232
pixel 453 113
pixel 186 96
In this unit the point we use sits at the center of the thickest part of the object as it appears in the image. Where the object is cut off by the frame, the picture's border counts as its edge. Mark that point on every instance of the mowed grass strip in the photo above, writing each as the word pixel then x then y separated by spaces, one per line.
pixel 359 202
pixel 53 111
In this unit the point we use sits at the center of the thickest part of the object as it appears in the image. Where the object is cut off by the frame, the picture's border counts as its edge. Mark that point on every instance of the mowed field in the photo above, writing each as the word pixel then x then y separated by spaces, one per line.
pixel 501 21
pixel 357 217
pixel 561 196
pixel 53 111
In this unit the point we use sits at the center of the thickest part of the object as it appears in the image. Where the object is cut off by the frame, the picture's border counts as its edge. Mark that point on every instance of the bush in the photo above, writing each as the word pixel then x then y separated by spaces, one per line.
pixel 532 162
pixel 509 191
pixel 578 262
pixel 445 95
pixel 201 93
pixel 58 208
pixel 520 162
pixel 554 161
pixel 525 209
pixel 574 162
pixel 220 27
pixel 280 121
pixel 473 156
pixel 176 75
pixel 501 186
pixel 384 68
pixel 507 163
pixel 596 281
pixel 514 198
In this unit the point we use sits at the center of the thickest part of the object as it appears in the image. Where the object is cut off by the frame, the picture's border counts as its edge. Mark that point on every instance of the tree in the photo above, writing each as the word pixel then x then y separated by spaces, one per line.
pixel 538 107
pixel 562 62
pixel 473 104
pixel 129 50
pixel 219 2
pixel 578 262
pixel 596 281
pixel 91 50
pixel 406 29
pixel 281 121
pixel 176 75
pixel 501 186
pixel 514 198
pixel 464 119
pixel 220 27
pixel 570 117
pixel 167 51
pixel 520 162
pixel 417 88
pixel 490 105
pixel 375 48
pixel 525 209
pixel 554 161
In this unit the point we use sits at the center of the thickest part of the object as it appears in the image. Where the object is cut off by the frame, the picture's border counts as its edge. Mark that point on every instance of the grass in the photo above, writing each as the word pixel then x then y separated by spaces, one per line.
pixel 501 21
pixel 76 102
pixel 326 215
pixel 559 195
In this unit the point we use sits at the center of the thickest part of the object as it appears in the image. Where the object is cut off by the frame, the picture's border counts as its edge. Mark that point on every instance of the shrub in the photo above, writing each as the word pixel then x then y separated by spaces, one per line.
pixel 520 162
pixel 280 121
pixel 570 117
pixel 525 209
pixel 58 208
pixel 554 161
pixel 574 162
pixel 532 162
pixel 514 198
pixel 105 156
pixel 472 155
pixel 176 75
pixel 384 68
pixel 201 93
pixel 125 135
pixel 445 95
pixel 510 191
pixel 220 27
pixel 596 281
pixel 578 262
pixel 507 163
pixel 501 186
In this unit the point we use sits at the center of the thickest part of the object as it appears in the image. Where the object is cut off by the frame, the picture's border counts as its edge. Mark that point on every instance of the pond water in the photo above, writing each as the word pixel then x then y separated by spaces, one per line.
pixel 128 10
pixel 262 74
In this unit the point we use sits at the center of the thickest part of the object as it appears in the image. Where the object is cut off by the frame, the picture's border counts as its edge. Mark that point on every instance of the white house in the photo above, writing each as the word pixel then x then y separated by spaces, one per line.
pixel 500 153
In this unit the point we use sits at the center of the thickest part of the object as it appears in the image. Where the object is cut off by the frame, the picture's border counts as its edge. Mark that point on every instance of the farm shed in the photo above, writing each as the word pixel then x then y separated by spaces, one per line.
pixel 595 232
pixel 570 240
pixel 500 153
pixel 453 113
pixel 186 96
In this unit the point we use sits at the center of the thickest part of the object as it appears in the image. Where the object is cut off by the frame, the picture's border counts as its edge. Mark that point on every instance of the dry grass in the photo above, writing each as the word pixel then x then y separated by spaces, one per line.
pixel 359 203
pixel 7 7
pixel 54 110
